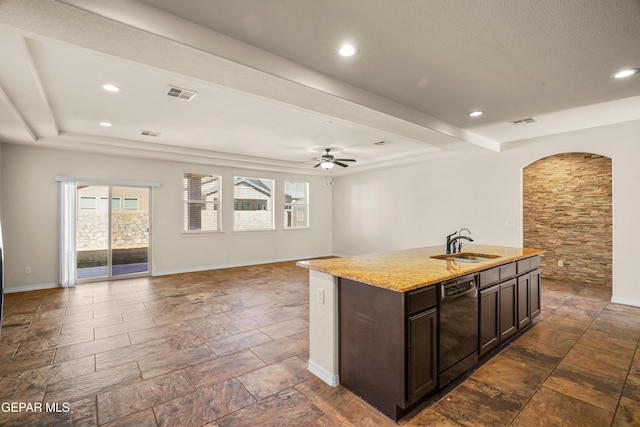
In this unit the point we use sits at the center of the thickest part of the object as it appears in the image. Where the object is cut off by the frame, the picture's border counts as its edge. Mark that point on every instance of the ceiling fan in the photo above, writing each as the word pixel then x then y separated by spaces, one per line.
pixel 327 161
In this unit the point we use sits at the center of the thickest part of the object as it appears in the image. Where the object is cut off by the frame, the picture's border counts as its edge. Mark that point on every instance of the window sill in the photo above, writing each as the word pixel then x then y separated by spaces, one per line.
pixel 201 232
pixel 270 230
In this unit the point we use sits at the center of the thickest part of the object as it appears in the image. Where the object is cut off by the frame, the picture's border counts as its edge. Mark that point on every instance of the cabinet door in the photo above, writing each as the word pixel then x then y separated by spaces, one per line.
pixel 489 331
pixel 422 372
pixel 524 297
pixel 534 293
pixel 508 310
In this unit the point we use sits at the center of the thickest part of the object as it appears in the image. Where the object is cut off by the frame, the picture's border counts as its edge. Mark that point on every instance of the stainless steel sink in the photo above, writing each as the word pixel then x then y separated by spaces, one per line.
pixel 466 257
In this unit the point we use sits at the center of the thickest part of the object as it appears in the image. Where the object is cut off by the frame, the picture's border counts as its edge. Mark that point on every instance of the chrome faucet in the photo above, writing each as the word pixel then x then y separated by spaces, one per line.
pixel 450 247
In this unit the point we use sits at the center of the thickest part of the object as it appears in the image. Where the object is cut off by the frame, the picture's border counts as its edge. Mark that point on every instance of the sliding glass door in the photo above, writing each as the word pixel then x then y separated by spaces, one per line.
pixel 112 231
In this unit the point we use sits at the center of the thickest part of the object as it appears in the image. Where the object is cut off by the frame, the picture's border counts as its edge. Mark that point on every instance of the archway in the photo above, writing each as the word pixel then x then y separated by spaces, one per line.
pixel 567 210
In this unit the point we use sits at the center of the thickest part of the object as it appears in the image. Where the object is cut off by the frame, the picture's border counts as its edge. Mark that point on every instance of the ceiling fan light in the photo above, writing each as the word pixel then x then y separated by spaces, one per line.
pixel 326 165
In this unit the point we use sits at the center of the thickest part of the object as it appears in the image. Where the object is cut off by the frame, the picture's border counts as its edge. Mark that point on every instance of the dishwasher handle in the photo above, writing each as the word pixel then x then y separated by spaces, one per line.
pixel 459 289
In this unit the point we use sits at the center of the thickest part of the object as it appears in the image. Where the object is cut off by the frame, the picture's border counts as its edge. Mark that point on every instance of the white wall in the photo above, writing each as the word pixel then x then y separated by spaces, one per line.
pixel 418 205
pixel 29 199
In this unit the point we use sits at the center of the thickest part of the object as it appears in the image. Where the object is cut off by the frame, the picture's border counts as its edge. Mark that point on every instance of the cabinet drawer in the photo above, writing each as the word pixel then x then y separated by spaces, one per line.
pixel 497 274
pixel 421 299
pixel 507 270
pixel 528 264
pixel 489 277
pixel 535 262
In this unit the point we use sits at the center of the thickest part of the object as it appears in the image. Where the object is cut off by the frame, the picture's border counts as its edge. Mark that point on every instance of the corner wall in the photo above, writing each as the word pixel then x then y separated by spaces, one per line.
pixel 29 200
pixel 419 204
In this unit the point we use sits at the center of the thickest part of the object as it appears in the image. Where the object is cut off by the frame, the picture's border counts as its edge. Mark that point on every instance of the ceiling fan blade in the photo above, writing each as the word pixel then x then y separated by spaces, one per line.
pixel 344 165
pixel 317 165
pixel 346 160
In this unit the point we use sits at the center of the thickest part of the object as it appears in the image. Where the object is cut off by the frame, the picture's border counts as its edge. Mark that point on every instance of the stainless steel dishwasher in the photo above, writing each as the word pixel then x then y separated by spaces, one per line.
pixel 458 350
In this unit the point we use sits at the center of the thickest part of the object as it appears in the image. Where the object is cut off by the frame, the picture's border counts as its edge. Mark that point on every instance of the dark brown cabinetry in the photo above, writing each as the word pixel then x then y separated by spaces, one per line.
pixel 388 344
pixel 508 305
pixel 392 345
pixel 508 311
pixel 524 297
pixel 534 292
pixel 489 315
pixel 422 369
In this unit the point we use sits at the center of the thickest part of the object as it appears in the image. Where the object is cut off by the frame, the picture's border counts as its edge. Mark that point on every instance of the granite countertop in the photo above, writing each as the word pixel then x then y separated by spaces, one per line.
pixel 402 271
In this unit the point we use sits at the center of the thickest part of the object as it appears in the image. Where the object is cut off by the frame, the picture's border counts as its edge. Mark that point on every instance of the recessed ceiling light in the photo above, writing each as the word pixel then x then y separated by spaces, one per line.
pixel 106 124
pixel 347 50
pixel 625 73
pixel 476 113
pixel 111 88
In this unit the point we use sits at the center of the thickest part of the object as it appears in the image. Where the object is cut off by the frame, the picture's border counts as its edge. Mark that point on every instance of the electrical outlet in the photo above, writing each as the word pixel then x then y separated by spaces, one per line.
pixel 560 263
pixel 320 296
pixel 27 270
pixel 509 223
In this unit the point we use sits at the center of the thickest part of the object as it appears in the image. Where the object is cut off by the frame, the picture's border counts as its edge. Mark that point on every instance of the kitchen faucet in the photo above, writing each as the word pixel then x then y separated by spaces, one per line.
pixel 460 234
pixel 451 241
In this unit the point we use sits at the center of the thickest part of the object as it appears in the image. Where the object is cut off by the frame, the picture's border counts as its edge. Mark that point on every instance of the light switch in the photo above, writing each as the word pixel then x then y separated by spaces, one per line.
pixel 320 296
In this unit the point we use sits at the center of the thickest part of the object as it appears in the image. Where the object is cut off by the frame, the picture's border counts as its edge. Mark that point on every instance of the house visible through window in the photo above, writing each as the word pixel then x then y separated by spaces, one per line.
pixel 201 202
pixel 131 203
pixel 253 204
pixel 296 204
pixel 88 202
pixel 116 203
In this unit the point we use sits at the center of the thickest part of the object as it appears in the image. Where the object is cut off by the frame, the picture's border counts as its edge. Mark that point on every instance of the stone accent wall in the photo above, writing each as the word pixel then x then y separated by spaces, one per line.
pixel 129 229
pixel 567 210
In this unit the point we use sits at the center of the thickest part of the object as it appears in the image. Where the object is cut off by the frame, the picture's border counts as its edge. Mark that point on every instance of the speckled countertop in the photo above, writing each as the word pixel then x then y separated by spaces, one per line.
pixel 402 271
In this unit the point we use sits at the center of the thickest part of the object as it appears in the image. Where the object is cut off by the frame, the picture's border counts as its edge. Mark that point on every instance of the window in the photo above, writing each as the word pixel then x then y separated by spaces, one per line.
pixel 103 204
pixel 88 202
pixel 201 202
pixel 131 203
pixel 116 203
pixel 296 204
pixel 253 204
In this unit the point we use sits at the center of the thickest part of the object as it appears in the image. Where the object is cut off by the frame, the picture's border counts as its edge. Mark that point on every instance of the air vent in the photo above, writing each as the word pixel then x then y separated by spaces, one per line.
pixel 382 143
pixel 185 94
pixel 149 133
pixel 523 121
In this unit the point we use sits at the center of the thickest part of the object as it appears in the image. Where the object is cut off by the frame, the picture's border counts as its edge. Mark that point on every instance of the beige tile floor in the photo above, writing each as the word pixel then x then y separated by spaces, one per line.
pixel 230 348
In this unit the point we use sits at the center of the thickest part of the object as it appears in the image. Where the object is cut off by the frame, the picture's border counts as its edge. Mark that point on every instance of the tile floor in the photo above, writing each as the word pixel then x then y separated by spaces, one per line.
pixel 229 348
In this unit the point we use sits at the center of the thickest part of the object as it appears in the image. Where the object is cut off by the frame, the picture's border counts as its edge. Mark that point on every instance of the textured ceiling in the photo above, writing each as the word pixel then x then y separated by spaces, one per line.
pixel 512 59
pixel 272 92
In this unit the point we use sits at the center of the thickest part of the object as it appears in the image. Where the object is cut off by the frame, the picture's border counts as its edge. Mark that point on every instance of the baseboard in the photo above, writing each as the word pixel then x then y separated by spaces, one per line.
pixel 233 265
pixel 625 301
pixel 34 287
pixel 323 374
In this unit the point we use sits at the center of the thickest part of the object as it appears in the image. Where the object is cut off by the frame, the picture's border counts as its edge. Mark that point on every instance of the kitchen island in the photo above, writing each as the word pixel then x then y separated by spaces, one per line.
pixel 385 325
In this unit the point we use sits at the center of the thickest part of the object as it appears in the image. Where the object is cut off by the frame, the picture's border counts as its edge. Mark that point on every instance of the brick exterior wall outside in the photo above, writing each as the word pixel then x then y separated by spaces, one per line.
pixel 567 210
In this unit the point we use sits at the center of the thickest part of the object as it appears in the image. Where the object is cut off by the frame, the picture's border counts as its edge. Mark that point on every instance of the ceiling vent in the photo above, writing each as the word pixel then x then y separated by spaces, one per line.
pixel 149 133
pixel 185 94
pixel 523 121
